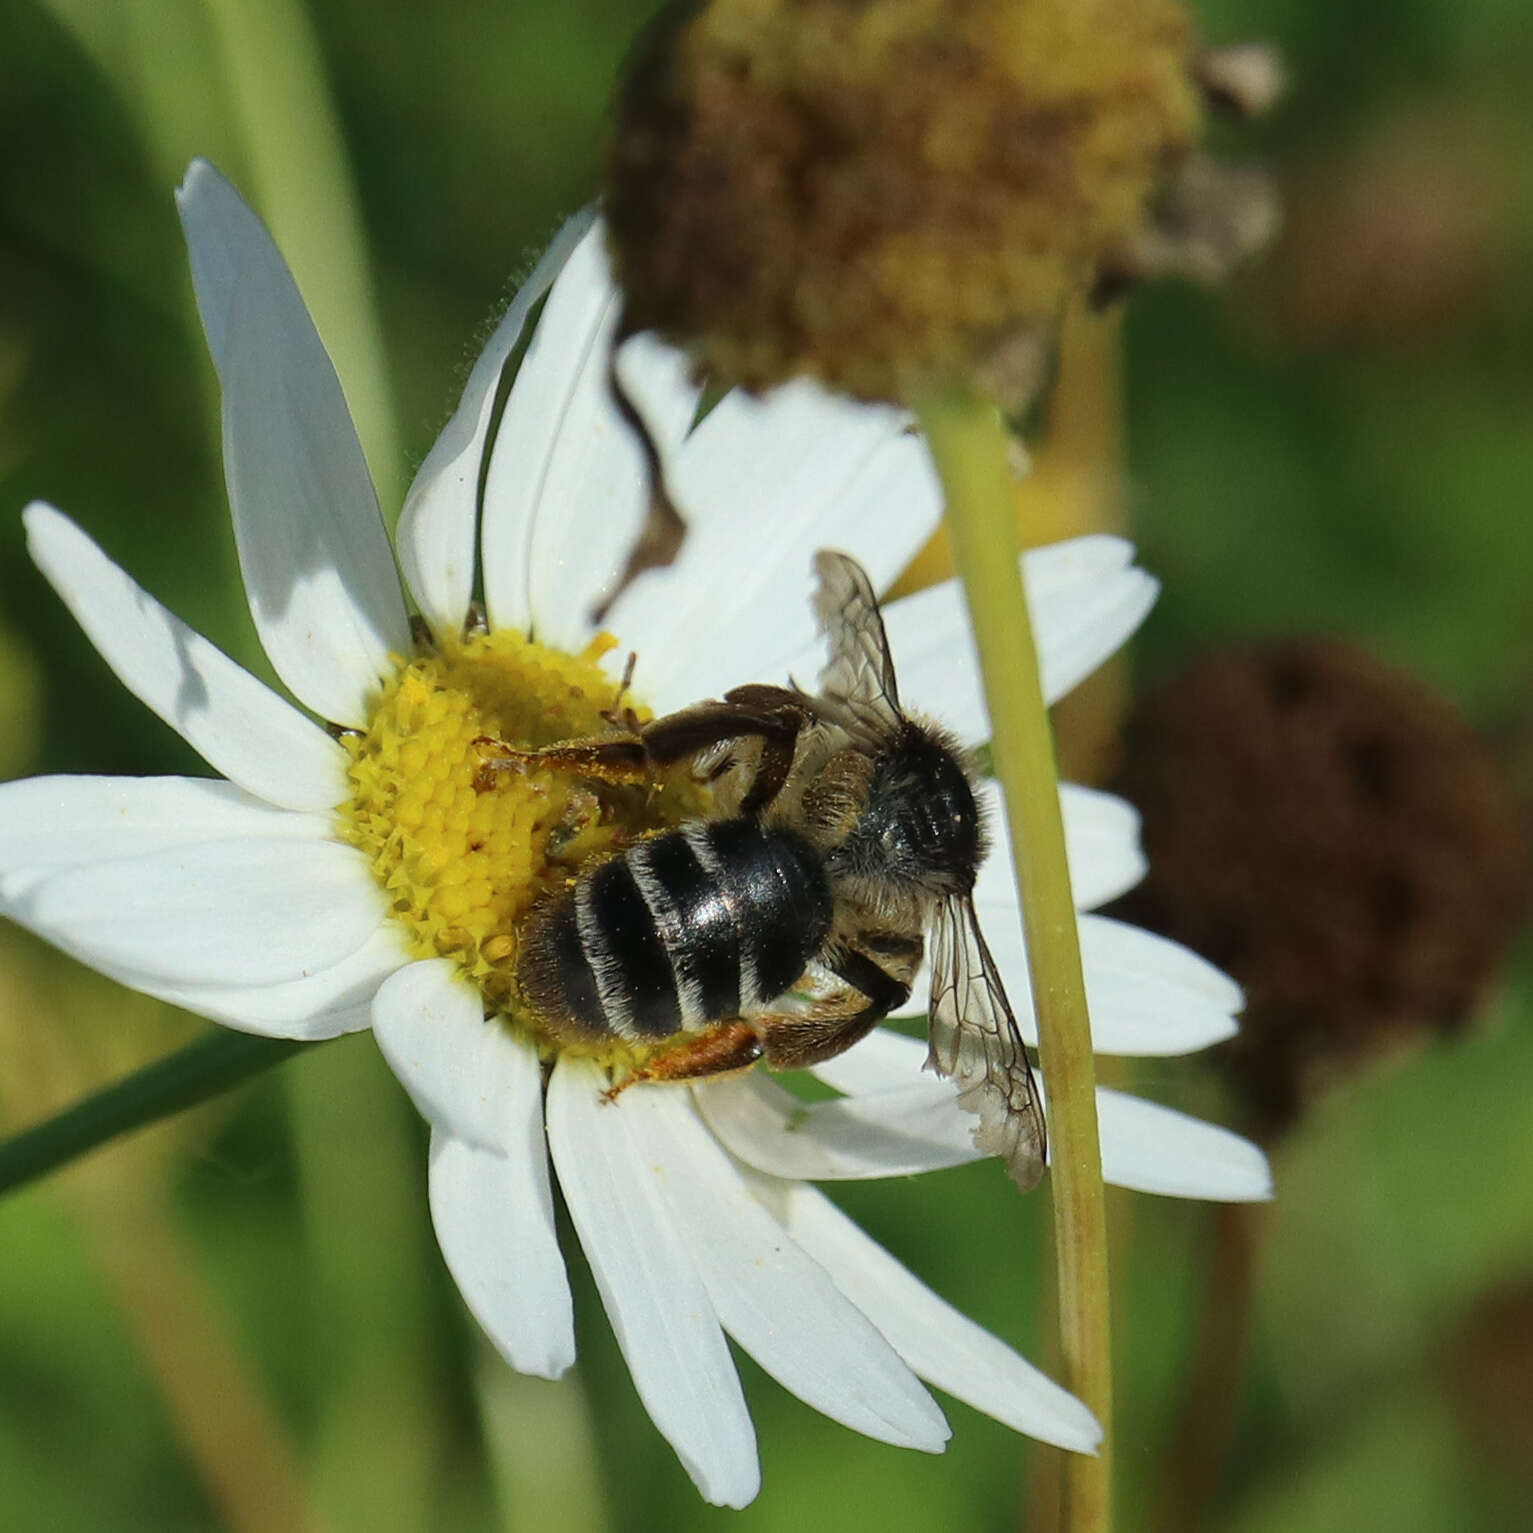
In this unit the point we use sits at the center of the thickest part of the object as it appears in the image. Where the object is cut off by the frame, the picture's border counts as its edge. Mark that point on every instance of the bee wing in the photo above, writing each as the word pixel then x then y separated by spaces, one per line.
pixel 860 671
pixel 975 1041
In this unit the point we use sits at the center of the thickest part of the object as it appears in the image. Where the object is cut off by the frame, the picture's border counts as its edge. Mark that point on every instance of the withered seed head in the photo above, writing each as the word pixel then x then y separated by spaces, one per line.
pixel 1336 837
pixel 882 192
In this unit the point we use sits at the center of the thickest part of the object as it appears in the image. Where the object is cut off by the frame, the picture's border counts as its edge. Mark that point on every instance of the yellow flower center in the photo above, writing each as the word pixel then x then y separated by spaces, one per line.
pixel 465 839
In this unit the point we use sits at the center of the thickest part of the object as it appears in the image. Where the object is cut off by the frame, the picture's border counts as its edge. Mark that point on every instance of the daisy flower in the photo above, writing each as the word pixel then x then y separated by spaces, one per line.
pixel 349 866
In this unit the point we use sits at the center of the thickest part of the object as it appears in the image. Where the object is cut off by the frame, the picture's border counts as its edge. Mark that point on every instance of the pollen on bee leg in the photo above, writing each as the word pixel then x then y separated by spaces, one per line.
pixel 495 758
pixel 721 1050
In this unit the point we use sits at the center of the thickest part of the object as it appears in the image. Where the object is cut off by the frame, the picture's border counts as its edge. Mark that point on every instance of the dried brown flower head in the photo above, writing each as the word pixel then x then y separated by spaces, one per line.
pixel 878 192
pixel 1337 838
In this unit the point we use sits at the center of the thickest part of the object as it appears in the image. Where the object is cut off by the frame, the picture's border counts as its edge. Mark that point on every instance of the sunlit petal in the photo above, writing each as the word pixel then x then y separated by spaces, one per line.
pixel 248 911
pixel 437 530
pixel 568 484
pixel 660 1311
pixel 318 568
pixel 239 726
pixel 762 484
pixel 494 1216
pixel 48 824
pixel 943 1346
pixel 779 1305
pixel 459 1067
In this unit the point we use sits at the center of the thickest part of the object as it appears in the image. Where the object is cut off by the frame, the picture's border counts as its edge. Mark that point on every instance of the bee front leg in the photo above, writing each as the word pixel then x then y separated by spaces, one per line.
pixel 618 760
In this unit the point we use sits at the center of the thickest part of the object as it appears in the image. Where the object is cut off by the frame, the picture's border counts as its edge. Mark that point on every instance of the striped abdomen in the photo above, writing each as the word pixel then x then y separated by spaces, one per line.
pixel 696 926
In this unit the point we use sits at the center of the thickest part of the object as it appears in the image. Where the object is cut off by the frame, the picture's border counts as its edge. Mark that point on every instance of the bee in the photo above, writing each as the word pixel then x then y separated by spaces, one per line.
pixel 790 923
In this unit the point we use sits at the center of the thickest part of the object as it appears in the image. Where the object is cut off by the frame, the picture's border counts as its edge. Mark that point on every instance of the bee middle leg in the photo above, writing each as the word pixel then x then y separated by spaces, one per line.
pixel 793 1042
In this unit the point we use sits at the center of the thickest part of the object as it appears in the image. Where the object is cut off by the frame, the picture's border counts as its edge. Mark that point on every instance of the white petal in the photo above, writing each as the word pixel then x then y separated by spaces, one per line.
pixel 762 483
pixel 437 527
pixel 239 726
pixel 916 1127
pixel 318 568
pixel 883 1061
pixel 494 1221
pixel 1101 841
pixel 943 1346
pixel 1145 1147
pixel 48 824
pixel 568 486
pixel 322 1005
pixel 1070 586
pixel 657 379
pixel 597 488
pixel 933 645
pixel 1119 945
pixel 494 1217
pixel 539 428
pixel 51 824
pixel 1101 844
pixel 1150 1148
pixel 1074 565
pixel 245 912
pixel 779 1305
pixel 1083 631
pixel 458 1066
pixel 1150 996
pixel 658 1306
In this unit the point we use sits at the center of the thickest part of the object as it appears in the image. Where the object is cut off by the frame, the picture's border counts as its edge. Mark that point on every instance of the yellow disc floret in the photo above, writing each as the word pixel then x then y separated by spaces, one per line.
pixel 466 839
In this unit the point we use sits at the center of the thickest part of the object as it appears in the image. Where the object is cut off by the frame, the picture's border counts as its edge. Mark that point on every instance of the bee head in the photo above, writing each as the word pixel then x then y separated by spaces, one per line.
pixel 922 826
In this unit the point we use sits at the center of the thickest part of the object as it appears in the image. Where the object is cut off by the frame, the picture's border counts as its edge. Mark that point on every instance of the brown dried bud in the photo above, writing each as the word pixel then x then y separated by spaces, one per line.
pixel 1333 835
pixel 884 192
pixel 1487 1364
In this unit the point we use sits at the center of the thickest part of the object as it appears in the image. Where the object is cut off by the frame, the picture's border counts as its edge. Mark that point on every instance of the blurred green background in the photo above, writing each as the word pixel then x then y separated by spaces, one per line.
pixel 240 1320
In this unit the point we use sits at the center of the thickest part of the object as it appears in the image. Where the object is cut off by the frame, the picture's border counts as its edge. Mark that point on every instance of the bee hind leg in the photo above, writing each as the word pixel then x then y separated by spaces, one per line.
pixel 730 1046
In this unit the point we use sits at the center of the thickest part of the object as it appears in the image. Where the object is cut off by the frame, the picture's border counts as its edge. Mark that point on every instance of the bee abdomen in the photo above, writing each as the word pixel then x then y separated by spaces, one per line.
pixel 692 927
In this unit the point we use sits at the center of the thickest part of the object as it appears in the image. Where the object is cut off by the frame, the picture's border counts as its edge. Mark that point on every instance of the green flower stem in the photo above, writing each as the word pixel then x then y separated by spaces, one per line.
pixel 291 137
pixel 968 443
pixel 379 1438
pixel 187 1078
pixel 540 1443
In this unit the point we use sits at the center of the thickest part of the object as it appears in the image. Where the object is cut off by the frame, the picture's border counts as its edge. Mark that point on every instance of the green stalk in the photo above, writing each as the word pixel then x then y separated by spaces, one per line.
pixel 379 1436
pixel 302 183
pixel 541 1443
pixel 187 1078
pixel 968 443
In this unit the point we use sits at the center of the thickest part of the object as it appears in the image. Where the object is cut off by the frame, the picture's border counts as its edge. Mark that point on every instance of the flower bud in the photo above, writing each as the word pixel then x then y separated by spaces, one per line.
pixel 1334 836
